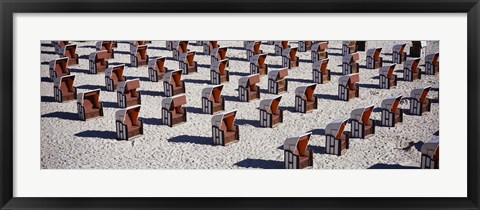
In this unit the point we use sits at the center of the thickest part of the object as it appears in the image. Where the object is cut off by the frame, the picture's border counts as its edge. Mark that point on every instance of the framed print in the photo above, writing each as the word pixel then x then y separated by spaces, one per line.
pixel 186 105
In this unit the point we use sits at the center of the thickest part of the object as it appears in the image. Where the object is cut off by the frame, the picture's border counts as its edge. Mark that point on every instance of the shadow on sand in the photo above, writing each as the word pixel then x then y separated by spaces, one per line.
pixel 259 163
pixel 191 139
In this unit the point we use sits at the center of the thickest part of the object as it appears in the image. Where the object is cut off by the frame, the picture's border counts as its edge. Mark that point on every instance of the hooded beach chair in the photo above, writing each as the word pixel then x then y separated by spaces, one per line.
pixel 138 55
pixel 347 87
pixel 69 51
pixel 63 89
pixel 320 73
pixel 89 105
pixel 290 58
pixel 58 68
pixel 58 46
pixel 387 78
pixel 156 69
pixel 419 103
pixel 432 63
pixel 270 112
pixel 253 48
pixel 296 152
pixel 398 54
pixel 248 88
pixel 219 73
pixel 430 158
pixel 418 49
pixel 258 65
pixel 113 76
pixel 411 71
pixel 336 142
pixel 180 48
pixel 127 123
pixel 106 45
pixel 98 61
pixel 212 99
pixel 304 46
pixel 173 84
pixel 186 62
pixel 208 47
pixel 319 51
pixel 349 63
pixel 305 100
pixel 391 114
pixel 361 124
pixel 224 130
pixel 128 94
pixel 277 83
pixel 218 54
pixel 280 46
pixel 349 47
pixel 173 111
pixel 374 61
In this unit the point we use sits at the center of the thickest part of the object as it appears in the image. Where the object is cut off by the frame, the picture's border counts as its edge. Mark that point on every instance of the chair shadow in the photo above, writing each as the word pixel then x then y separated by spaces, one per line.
pixel 259 163
pixel 92 87
pixel 391 166
pixel 45 63
pixel 241 74
pixel 109 104
pixel 318 131
pixel 152 121
pixel 317 149
pixel 88 46
pixel 116 64
pixel 253 123
pixel 276 66
pixel 300 80
pixel 334 54
pixel 328 97
pixel 436 133
pixel 207 66
pixel 231 98
pixel 435 89
pixel 75 70
pixel 158 48
pixel 96 134
pixel 143 79
pixel 236 48
pixel 435 100
pixel 152 93
pixel 45 79
pixel 195 110
pixel 84 57
pixel 237 59
pixel 375 77
pixel 387 54
pixel 47 99
pixel 48 52
pixel 304 61
pixel 264 91
pixel 197 81
pixel 203 140
pixel 62 115
pixel 336 73
pixel 374 86
pixel 288 108
pixel 46 45
pixel 121 52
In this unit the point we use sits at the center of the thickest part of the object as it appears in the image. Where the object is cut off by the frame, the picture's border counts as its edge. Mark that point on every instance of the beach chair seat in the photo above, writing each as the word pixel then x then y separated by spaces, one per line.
pixel 349 47
pixel 277 81
pixel 224 130
pixel 127 123
pixel 419 103
pixel 208 47
pixel 113 76
pixel 270 112
pixel 430 150
pixel 59 46
pixel 418 49
pixel 391 114
pixel 305 100
pixel 349 63
pixel 432 64
pixel 218 54
pixel 212 100
pixel 337 142
pixel 253 48
pixel 128 93
pixel 319 51
pixel 411 71
pixel 98 61
pixel 63 89
pixel 180 48
pixel 138 55
pixel 69 51
pixel 280 46
pixel 289 58
pixel 156 69
pixel 248 89
pixel 398 54
pixel 258 65
pixel 58 68
pixel 173 84
pixel 320 73
pixel 296 152
pixel 374 60
pixel 187 63
pixel 219 73
pixel 347 87
pixel 173 111
pixel 361 124
pixel 304 46
pixel 89 105
pixel 106 45
pixel 387 78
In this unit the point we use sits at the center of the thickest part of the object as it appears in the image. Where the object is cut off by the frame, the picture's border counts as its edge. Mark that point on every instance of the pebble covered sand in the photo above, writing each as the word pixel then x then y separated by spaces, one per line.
pixel 68 143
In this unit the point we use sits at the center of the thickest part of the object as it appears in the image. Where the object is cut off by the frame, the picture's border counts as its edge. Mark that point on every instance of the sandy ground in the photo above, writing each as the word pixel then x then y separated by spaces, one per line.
pixel 68 143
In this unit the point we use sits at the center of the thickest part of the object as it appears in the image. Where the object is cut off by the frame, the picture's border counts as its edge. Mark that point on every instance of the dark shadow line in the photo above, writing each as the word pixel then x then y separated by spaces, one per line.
pixel 96 134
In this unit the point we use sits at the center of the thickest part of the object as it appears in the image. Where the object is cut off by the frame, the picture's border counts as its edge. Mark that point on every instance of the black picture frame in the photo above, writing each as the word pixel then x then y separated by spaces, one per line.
pixel 9 7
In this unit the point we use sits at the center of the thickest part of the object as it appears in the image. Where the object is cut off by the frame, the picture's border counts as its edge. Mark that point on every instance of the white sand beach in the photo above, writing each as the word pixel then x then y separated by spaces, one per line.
pixel 69 143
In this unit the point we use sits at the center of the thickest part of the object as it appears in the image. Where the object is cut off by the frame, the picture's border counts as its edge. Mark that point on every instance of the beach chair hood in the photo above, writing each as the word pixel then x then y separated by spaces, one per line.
pixel 336 127
pixel 391 103
pixel 411 63
pixel 278 73
pixel 217 120
pixel 398 48
pixel 211 92
pixel 120 114
pixel 362 114
pixel 351 58
pixel 420 93
pixel 430 147
pixel 305 92
pixel 169 76
pixel 81 96
pixel 374 52
pixel 58 80
pixel 297 144
pixel 174 101
pixel 387 70
pixel 249 80
pixel 270 105
pixel 128 85
pixel 110 70
pixel 349 79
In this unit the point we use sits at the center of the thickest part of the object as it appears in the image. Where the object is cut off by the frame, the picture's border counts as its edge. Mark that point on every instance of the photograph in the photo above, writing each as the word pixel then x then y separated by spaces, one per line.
pixel 239 104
